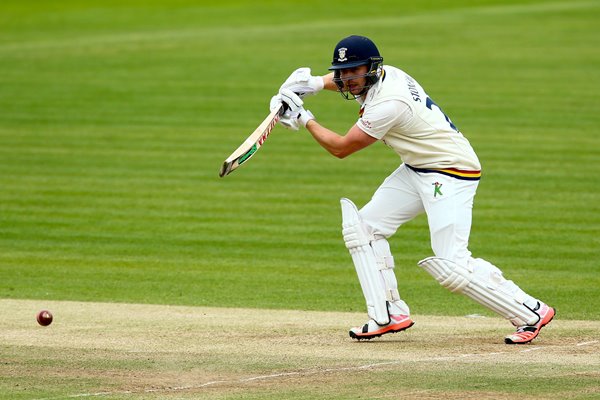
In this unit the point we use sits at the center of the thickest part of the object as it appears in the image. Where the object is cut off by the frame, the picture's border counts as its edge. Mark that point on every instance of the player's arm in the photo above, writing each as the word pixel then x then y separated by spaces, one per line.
pixel 339 146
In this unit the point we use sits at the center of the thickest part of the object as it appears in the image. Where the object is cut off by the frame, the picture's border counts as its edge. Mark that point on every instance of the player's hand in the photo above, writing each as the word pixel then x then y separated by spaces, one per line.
pixel 295 106
pixel 291 99
pixel 303 83
pixel 288 119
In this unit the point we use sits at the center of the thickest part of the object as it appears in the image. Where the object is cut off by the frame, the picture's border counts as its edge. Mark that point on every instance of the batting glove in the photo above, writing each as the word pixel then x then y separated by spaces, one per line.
pixel 288 119
pixel 305 116
pixel 303 83
pixel 293 101
pixel 295 105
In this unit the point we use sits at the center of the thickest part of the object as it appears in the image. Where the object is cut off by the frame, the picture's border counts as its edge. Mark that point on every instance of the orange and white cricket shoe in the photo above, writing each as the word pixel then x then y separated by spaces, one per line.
pixel 527 333
pixel 372 329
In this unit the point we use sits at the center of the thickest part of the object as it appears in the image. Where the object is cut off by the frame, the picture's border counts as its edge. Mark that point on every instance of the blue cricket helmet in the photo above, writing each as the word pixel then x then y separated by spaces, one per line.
pixel 354 51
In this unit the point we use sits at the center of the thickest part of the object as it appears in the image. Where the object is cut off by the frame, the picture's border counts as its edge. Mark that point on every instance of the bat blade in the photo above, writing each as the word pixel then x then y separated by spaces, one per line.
pixel 251 145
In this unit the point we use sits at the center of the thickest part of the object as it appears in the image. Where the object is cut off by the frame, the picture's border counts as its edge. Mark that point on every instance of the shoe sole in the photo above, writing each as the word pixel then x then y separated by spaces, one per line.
pixel 510 341
pixel 390 329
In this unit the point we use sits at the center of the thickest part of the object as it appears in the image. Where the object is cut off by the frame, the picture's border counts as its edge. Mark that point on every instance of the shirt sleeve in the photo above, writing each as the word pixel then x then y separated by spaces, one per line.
pixel 377 120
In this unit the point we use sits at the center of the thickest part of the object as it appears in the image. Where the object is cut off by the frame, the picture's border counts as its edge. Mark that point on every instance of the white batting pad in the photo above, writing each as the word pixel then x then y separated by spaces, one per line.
pixel 484 283
pixel 374 266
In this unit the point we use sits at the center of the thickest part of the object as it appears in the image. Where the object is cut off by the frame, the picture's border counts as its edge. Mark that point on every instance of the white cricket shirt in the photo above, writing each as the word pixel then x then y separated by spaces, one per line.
pixel 399 112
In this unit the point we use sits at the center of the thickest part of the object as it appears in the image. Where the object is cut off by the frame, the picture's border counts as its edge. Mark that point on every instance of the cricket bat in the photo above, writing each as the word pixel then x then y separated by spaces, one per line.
pixel 252 143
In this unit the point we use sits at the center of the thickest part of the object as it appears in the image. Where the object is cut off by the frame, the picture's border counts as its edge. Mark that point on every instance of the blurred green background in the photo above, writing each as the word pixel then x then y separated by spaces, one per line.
pixel 115 117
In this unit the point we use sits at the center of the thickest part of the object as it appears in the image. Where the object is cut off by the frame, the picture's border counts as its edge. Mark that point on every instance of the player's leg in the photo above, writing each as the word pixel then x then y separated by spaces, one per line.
pixel 448 203
pixel 485 283
pixel 393 204
pixel 365 235
pixel 374 266
pixel 448 208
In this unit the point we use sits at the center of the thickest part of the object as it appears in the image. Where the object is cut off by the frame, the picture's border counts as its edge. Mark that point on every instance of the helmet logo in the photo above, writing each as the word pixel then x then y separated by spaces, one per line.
pixel 342 54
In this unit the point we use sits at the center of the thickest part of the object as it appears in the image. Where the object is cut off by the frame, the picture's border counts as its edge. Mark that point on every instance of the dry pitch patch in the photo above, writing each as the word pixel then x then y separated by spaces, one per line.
pixel 115 351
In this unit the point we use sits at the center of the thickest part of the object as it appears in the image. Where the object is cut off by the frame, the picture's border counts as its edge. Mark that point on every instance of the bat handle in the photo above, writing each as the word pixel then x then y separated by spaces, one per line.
pixel 284 108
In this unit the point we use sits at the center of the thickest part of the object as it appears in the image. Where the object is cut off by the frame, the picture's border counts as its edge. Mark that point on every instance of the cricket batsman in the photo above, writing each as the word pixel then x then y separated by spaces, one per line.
pixel 439 175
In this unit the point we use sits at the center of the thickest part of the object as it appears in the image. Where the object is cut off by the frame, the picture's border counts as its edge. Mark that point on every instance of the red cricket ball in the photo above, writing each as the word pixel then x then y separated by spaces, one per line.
pixel 44 318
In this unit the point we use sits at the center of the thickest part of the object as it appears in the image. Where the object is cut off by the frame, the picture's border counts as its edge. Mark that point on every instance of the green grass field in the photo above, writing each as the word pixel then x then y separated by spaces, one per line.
pixel 116 115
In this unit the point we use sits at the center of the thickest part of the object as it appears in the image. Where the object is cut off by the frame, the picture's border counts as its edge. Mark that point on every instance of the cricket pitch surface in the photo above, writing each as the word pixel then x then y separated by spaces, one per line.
pixel 132 351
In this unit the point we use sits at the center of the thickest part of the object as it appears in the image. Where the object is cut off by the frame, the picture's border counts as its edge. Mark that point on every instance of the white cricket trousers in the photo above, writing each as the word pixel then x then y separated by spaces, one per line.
pixel 447 201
